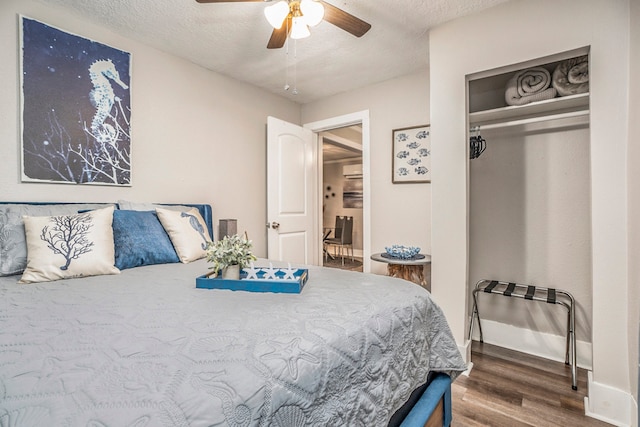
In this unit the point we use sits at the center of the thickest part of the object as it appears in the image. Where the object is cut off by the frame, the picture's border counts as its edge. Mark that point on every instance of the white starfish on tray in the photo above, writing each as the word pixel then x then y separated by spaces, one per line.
pixel 252 271
pixel 289 273
pixel 270 273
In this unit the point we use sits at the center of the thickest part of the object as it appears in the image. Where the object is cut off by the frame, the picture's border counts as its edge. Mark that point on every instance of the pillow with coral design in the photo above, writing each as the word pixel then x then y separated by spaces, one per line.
pixel 13 243
pixel 187 231
pixel 68 246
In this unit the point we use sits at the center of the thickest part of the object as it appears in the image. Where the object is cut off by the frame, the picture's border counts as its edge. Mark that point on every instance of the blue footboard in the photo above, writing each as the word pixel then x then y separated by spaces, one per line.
pixel 439 388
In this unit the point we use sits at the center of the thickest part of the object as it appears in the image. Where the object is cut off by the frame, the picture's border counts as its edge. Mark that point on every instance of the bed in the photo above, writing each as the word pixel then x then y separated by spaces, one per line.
pixel 145 347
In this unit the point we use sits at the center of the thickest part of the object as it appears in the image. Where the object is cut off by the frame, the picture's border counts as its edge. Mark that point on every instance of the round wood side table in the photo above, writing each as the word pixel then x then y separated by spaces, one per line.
pixel 407 269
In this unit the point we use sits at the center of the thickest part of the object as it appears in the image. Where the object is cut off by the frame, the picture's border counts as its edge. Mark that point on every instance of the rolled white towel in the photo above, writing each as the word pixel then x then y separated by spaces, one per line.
pixel 572 76
pixel 529 85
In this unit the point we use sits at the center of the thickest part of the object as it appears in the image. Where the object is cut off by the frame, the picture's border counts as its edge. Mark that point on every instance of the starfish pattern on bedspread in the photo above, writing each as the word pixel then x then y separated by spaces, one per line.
pixel 148 348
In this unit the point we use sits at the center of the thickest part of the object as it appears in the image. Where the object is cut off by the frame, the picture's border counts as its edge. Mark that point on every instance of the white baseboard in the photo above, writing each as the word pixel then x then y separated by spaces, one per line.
pixel 465 351
pixel 469 369
pixel 540 344
pixel 610 405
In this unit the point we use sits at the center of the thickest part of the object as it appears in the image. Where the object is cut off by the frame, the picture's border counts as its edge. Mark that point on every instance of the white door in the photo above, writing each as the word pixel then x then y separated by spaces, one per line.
pixel 291 193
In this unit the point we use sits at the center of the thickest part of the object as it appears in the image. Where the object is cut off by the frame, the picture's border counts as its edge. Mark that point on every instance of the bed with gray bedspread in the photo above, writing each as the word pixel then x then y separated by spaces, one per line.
pixel 147 348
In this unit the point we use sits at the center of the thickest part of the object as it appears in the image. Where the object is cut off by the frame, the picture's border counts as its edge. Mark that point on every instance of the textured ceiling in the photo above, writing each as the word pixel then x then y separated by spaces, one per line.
pixel 231 38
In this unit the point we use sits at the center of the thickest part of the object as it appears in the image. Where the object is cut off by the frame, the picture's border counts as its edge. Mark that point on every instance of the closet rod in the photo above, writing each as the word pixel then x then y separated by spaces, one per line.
pixel 530 120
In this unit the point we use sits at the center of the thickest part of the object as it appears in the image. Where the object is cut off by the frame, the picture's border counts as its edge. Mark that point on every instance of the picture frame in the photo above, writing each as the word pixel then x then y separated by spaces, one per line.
pixel 411 155
pixel 75 108
pixel 352 194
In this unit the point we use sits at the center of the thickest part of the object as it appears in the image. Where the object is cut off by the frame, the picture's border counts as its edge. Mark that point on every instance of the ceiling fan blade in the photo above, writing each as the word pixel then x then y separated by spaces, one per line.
pixel 344 20
pixel 230 1
pixel 278 37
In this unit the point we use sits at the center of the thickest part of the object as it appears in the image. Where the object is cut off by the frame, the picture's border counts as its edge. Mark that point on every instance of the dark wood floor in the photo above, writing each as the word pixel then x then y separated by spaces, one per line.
pixel 511 389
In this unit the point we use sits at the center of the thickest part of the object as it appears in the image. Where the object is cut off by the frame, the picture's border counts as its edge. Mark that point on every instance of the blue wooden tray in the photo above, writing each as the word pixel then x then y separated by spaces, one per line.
pixel 279 285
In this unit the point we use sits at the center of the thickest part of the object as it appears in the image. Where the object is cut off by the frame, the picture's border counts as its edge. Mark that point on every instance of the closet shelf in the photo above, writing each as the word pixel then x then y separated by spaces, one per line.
pixel 536 111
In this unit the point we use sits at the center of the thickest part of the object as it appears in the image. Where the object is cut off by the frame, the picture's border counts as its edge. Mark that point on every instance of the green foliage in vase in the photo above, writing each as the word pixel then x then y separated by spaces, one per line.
pixel 231 250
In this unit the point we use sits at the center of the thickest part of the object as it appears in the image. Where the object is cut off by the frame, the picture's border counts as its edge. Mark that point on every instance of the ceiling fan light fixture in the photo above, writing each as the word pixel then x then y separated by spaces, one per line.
pixel 299 28
pixel 312 11
pixel 277 13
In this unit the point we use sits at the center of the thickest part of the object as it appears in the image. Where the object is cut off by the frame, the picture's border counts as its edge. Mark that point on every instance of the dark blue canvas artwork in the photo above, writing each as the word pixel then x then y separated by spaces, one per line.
pixel 76 110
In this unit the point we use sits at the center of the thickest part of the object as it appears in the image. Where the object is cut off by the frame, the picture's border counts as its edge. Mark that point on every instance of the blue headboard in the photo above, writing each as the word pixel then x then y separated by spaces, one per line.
pixel 205 210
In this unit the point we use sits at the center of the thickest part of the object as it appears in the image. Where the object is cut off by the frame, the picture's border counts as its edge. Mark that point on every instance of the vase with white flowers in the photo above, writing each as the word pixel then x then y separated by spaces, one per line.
pixel 229 255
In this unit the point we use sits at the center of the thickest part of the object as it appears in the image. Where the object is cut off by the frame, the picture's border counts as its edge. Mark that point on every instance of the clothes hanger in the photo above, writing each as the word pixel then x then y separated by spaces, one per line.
pixel 477 144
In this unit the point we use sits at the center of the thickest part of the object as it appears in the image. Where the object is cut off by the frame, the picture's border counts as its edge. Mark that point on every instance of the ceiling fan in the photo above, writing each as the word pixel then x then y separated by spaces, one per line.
pixel 294 17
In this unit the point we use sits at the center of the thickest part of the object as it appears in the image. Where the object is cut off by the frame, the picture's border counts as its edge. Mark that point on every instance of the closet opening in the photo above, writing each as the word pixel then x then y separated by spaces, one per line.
pixel 530 204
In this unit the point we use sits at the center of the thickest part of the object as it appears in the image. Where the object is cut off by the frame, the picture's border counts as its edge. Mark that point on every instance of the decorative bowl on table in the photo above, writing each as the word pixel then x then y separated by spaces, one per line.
pixel 401 251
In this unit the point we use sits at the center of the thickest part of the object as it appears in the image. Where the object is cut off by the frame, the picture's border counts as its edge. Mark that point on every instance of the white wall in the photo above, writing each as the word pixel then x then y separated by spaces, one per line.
pixel 505 35
pixel 634 198
pixel 197 136
pixel 400 213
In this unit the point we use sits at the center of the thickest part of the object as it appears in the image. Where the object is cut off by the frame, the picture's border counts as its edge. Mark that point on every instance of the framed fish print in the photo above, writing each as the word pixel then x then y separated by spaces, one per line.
pixel 411 155
pixel 76 110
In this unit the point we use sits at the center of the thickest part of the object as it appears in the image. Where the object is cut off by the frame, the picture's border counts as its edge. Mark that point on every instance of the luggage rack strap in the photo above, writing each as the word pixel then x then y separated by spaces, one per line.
pixel 490 286
pixel 510 288
pixel 531 291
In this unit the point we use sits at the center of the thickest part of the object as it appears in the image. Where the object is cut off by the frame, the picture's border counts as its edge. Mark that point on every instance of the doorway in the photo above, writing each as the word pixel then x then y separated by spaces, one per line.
pixel 360 118
pixel 342 197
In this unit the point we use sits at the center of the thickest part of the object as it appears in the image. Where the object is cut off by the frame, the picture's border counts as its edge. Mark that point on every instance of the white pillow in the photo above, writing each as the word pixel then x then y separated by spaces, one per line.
pixel 68 246
pixel 188 233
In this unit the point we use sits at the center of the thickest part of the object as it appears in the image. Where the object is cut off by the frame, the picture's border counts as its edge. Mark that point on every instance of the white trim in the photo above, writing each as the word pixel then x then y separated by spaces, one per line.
pixel 469 369
pixel 361 117
pixel 465 352
pixel 609 404
pixel 540 344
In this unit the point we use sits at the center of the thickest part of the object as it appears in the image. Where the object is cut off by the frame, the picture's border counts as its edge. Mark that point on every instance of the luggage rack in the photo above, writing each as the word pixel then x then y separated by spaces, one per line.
pixel 533 293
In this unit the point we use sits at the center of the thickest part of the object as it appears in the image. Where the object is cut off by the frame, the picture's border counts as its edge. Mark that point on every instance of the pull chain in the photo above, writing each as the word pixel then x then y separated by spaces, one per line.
pixel 295 67
pixel 286 63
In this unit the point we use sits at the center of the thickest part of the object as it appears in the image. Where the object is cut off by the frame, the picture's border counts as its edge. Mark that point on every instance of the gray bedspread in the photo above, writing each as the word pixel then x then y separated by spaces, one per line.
pixel 146 348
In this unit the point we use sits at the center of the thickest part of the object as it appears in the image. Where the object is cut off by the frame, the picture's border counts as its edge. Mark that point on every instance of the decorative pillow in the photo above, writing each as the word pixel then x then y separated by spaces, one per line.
pixel 187 231
pixel 140 239
pixel 67 246
pixel 13 244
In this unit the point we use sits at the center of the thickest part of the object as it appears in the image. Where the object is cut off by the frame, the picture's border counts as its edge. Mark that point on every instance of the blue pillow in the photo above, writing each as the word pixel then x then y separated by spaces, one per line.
pixel 139 239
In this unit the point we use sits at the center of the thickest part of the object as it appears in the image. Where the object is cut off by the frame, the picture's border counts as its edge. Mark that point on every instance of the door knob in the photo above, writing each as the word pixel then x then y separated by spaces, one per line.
pixel 275 225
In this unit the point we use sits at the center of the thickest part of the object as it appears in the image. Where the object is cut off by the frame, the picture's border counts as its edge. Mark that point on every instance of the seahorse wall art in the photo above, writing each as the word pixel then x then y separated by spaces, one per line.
pixel 76 118
pixel 103 97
